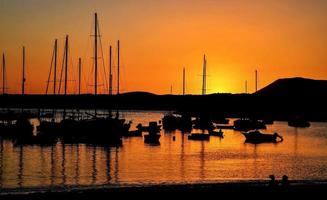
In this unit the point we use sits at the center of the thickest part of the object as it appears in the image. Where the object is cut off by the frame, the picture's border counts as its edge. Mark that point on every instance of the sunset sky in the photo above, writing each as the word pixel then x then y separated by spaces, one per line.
pixel 279 38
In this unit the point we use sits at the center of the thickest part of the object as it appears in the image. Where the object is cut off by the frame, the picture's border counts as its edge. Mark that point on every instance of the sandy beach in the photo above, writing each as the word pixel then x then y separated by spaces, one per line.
pixel 246 189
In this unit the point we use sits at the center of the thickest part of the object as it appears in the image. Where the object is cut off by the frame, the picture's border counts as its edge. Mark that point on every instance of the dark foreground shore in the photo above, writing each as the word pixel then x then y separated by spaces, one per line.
pixel 252 190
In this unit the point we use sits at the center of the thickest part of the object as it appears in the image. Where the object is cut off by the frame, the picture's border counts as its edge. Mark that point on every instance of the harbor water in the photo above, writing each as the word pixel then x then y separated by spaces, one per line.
pixel 301 156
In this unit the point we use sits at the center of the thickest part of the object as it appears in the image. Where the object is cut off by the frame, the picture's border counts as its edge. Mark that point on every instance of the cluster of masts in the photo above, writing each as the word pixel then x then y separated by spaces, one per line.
pixel 110 88
pixel 204 80
pixel 95 58
pixel 57 84
pixel 4 81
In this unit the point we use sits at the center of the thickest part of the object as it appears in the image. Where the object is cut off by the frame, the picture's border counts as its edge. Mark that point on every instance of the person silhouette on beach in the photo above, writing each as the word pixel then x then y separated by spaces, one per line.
pixel 285 181
pixel 272 182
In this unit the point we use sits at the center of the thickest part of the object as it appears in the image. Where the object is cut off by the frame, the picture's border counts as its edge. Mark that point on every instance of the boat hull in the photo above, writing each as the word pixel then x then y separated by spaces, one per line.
pixel 216 133
pixel 199 137
pixel 256 138
pixel 152 138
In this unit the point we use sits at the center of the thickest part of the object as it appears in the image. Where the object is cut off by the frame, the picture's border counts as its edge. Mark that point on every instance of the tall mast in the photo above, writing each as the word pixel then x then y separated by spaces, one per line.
pixel 256 80
pixel 110 73
pixel 204 75
pixel 3 73
pixel 79 75
pixel 95 54
pixel 23 75
pixel 55 67
pixel 66 63
pixel 118 66
pixel 184 81
pixel 246 87
pixel 110 76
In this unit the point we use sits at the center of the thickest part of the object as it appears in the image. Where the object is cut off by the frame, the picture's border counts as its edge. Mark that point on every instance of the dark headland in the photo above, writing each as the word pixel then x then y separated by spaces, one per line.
pixel 281 100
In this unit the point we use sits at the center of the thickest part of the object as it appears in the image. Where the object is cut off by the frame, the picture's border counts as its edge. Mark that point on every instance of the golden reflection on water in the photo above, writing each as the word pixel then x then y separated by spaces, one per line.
pixel 302 155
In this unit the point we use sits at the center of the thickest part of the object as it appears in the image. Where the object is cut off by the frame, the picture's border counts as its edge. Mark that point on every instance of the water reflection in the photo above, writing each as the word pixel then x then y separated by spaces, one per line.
pixel 63 164
pixel 202 160
pixel 182 157
pixel 94 165
pixel 43 165
pixel 116 175
pixel 52 164
pixel 255 161
pixel 295 141
pixel 1 161
pixel 77 170
pixel 20 167
pixel 302 155
pixel 108 165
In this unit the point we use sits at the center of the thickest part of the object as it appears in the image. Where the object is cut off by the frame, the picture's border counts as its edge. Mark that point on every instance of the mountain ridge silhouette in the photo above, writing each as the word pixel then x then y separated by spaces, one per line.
pixel 295 87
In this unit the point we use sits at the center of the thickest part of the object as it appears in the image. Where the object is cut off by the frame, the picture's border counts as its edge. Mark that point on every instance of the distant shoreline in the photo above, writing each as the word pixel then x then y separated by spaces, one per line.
pixel 282 108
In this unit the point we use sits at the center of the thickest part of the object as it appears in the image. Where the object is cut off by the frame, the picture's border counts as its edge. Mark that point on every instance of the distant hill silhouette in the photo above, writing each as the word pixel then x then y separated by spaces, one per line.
pixel 138 94
pixel 295 87
pixel 283 100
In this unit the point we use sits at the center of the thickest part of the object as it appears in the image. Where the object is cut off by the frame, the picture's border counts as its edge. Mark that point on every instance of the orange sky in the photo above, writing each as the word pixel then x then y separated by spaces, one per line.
pixel 280 38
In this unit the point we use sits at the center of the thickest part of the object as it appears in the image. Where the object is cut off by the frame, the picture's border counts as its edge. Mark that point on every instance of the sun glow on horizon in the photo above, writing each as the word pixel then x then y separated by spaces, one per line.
pixel 158 38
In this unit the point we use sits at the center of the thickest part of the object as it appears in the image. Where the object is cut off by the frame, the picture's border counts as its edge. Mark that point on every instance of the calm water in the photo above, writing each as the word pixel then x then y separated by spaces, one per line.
pixel 302 156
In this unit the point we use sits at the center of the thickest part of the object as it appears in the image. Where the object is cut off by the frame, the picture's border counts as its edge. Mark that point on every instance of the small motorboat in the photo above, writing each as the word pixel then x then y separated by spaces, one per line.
pixel 133 133
pixel 258 137
pixel 268 121
pixel 219 133
pixel 152 138
pixel 172 122
pixel 153 127
pixel 225 126
pixel 221 121
pixel 22 127
pixel 299 122
pixel 248 124
pixel 199 136
pixel 154 133
pixel 203 123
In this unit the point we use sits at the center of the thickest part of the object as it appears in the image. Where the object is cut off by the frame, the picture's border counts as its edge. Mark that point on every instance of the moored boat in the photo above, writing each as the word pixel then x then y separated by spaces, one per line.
pixel 152 138
pixel 154 133
pixel 133 133
pixel 248 124
pixel 22 127
pixel 153 127
pixel 219 133
pixel 221 120
pixel 299 122
pixel 203 123
pixel 225 126
pixel 258 137
pixel 172 122
pixel 199 136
